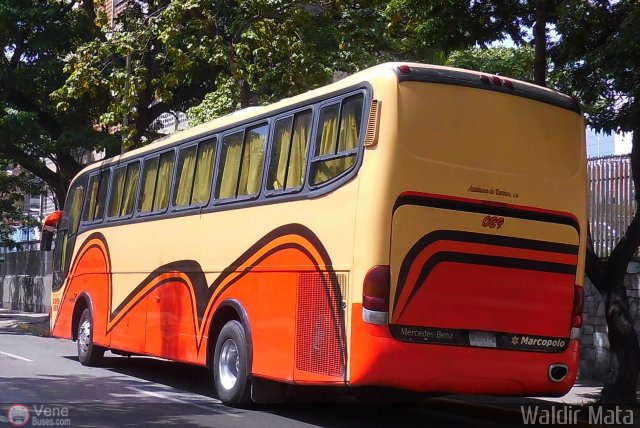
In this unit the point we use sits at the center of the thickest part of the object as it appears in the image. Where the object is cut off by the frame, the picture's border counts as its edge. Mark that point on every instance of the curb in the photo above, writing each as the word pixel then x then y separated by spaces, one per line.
pixel 40 329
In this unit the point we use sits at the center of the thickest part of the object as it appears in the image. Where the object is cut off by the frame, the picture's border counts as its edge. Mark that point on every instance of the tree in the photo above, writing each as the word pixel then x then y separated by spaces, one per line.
pixel 14 185
pixel 430 31
pixel 35 37
pixel 515 62
pixel 168 55
pixel 599 53
pixel 275 49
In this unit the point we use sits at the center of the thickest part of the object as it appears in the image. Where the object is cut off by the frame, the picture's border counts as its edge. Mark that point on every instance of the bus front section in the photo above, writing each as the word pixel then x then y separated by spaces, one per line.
pixel 486 197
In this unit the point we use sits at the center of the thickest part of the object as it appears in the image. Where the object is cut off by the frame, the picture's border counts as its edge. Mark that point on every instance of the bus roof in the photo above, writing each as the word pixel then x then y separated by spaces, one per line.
pixel 418 72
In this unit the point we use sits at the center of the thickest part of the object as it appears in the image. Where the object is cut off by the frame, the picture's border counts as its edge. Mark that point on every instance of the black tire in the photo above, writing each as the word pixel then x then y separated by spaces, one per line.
pixel 89 354
pixel 232 380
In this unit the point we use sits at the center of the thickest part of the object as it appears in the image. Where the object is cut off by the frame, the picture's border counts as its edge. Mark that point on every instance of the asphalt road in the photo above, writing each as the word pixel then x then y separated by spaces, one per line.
pixel 44 375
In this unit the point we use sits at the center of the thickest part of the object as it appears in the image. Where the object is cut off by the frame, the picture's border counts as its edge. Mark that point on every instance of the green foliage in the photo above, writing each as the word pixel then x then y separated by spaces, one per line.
pixel 14 184
pixel 169 55
pixel 36 36
pixel 515 62
pixel 270 49
pixel 224 100
pixel 599 54
pixel 429 31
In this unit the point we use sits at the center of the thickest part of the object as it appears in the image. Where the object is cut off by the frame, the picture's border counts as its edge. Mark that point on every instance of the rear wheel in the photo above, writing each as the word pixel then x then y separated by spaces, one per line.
pixel 230 365
pixel 89 354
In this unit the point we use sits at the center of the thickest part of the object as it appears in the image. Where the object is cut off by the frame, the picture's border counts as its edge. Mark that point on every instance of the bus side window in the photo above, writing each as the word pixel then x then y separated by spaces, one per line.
pixel 156 182
pixel 204 172
pixel 123 190
pixel 289 152
pixel 195 170
pixel 130 188
pixel 117 188
pixel 149 176
pixel 184 179
pixel 252 160
pixel 336 147
pixel 163 185
pixel 229 165
pixel 241 163
pixel 97 196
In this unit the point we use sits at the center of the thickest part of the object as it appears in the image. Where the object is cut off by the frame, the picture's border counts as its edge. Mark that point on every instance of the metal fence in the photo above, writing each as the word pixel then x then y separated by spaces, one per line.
pixel 611 201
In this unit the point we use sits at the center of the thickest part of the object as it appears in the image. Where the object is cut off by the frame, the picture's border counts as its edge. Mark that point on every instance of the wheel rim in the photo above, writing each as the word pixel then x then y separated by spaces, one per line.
pixel 229 364
pixel 84 337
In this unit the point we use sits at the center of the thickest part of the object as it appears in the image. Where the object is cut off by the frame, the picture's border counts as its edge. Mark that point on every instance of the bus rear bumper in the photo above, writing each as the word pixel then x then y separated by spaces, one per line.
pixel 378 359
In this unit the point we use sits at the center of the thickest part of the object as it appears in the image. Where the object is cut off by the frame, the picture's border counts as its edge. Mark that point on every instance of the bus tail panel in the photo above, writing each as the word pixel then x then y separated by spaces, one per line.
pixel 377 358
pixel 457 281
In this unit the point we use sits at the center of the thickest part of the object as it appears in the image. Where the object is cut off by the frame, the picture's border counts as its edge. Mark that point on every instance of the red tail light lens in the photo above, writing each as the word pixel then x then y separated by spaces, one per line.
pixel 578 306
pixel 377 285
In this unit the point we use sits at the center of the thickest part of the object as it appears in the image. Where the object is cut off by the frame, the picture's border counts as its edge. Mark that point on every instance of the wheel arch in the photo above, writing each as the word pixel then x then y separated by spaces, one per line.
pixel 83 301
pixel 228 310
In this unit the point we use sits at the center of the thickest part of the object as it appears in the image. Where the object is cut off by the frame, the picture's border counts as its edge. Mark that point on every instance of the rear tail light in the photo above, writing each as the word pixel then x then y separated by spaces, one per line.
pixel 576 313
pixel 375 295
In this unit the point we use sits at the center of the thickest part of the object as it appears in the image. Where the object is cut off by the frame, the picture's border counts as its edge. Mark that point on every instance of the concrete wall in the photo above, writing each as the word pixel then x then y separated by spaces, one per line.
pixel 25 281
pixel 594 361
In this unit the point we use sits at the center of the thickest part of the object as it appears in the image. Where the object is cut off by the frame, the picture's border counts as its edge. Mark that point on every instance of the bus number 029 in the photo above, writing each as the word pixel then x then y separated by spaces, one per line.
pixel 493 222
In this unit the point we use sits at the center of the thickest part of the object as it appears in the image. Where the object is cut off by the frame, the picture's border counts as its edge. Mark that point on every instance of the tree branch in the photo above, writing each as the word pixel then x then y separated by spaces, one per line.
pixel 49 124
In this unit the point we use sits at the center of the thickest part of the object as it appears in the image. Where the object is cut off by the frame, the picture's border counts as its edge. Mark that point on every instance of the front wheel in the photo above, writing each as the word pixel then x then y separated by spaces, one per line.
pixel 230 365
pixel 89 354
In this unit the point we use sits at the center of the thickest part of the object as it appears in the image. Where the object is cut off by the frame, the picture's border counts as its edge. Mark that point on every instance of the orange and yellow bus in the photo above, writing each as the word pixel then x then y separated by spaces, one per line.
pixel 410 226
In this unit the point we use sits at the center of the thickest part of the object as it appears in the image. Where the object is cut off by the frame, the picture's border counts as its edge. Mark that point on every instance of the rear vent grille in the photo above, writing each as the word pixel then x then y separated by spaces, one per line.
pixel 371 136
pixel 320 324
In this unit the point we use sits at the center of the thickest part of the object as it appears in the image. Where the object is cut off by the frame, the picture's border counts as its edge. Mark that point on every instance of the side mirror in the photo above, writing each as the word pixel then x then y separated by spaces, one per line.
pixel 46 239
pixel 48 227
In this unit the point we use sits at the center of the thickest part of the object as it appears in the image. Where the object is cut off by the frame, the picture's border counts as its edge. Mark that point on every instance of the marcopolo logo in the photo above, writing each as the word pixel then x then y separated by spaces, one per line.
pixel 18 415
pixel 534 342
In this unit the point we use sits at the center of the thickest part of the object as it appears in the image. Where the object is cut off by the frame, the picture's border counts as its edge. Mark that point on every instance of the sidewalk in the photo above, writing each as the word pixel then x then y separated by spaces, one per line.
pixel 511 409
pixel 26 322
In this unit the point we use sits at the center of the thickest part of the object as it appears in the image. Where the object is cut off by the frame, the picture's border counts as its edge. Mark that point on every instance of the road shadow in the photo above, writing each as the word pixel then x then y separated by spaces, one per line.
pixel 108 401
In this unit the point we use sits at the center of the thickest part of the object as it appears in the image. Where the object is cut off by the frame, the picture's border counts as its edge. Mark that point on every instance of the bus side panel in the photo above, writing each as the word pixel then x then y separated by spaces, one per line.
pixel 295 319
pixel 129 333
pixel 171 328
pixel 269 301
pixel 88 275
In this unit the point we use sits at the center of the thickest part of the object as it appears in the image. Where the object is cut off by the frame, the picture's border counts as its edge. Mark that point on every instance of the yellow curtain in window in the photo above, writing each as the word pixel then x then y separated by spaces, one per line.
pixel 76 207
pixel 327 169
pixel 133 176
pixel 204 172
pixel 329 132
pixel 233 145
pixel 150 173
pixel 348 132
pixel 116 192
pixel 92 197
pixel 102 195
pixel 165 173
pixel 298 158
pixel 251 176
pixel 283 135
pixel 185 181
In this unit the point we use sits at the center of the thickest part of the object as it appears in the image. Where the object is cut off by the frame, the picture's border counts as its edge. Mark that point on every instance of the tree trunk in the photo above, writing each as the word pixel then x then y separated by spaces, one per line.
pixel 608 277
pixel 245 94
pixel 540 42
